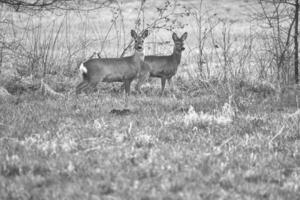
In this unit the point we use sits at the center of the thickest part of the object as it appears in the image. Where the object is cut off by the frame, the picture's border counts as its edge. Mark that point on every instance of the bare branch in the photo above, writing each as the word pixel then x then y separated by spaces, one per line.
pixel 42 5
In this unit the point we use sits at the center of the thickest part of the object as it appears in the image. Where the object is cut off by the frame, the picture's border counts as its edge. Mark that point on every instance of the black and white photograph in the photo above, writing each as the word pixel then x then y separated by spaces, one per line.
pixel 149 100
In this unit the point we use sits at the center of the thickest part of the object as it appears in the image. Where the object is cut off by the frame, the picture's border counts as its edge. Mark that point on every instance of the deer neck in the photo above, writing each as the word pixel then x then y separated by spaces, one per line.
pixel 138 56
pixel 176 56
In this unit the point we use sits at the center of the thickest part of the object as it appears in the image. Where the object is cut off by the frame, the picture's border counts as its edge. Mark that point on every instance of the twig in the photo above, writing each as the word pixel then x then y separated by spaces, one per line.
pixel 279 133
pixel 47 90
pixel 89 139
pixel 9 138
pixel 90 149
pixel 126 48
pixel 225 142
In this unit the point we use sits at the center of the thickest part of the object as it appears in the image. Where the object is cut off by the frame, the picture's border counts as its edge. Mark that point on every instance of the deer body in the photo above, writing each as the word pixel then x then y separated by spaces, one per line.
pixel 165 67
pixel 113 69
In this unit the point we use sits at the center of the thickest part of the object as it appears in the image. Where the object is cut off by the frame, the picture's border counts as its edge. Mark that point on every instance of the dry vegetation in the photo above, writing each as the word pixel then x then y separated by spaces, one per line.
pixel 229 131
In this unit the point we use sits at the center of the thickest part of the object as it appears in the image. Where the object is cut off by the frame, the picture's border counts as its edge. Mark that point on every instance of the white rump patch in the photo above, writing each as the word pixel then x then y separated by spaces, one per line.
pixel 82 69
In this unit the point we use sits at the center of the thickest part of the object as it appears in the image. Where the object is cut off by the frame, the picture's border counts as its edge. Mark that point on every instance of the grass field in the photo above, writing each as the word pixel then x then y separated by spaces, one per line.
pixel 205 141
pixel 68 149
pixel 162 149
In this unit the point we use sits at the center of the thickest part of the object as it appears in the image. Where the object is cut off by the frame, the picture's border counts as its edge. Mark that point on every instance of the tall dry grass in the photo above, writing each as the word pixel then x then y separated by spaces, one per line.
pixel 220 48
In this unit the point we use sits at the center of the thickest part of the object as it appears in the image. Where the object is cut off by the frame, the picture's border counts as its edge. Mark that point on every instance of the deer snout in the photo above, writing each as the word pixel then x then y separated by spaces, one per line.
pixel 139 48
pixel 182 48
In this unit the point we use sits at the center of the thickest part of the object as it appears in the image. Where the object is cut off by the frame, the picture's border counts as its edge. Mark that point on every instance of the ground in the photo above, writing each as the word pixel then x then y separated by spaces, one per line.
pixel 174 147
pixel 210 139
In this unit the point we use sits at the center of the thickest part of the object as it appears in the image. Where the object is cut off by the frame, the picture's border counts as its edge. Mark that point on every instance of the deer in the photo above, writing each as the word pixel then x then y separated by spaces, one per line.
pixel 164 67
pixel 124 69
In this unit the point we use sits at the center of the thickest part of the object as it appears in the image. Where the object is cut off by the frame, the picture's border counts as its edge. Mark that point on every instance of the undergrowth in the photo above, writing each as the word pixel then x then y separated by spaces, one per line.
pixel 215 145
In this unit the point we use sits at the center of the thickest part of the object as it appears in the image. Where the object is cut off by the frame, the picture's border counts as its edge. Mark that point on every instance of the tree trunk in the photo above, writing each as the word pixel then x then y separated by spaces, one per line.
pixel 296 41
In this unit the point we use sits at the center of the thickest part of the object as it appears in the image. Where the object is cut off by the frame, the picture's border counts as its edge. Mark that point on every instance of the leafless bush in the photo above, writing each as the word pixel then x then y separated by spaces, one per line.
pixel 53 5
pixel 206 21
pixel 39 45
pixel 276 20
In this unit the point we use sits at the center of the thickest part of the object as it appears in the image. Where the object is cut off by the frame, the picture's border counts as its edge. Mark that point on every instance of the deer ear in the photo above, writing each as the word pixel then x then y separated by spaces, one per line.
pixel 145 33
pixel 184 36
pixel 133 34
pixel 174 36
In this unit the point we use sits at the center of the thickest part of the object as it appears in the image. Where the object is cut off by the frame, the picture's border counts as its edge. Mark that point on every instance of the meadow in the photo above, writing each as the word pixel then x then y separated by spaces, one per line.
pixel 210 139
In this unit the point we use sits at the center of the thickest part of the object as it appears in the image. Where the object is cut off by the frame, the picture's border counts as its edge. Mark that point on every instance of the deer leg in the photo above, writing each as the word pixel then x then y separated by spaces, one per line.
pixel 127 91
pixel 82 87
pixel 141 79
pixel 93 86
pixel 138 87
pixel 122 88
pixel 143 75
pixel 171 84
pixel 138 84
pixel 163 83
